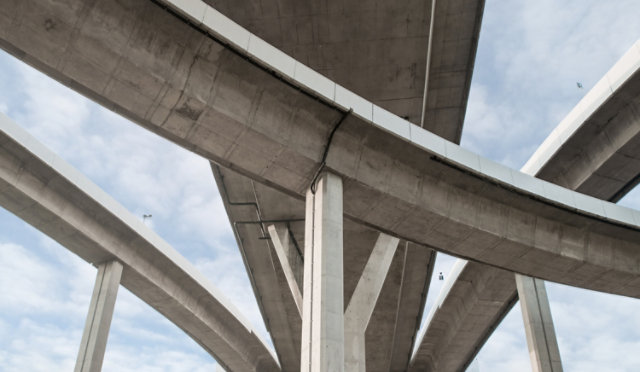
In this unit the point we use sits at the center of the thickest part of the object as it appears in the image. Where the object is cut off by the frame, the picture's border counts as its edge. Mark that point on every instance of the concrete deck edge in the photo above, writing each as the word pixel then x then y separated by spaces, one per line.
pixel 603 90
pixel 32 145
pixel 300 76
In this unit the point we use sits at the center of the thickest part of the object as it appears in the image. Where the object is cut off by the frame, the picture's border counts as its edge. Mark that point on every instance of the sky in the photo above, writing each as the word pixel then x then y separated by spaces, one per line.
pixel 531 55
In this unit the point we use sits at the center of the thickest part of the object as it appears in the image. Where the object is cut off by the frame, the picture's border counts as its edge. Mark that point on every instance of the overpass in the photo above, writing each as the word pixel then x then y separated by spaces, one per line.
pixel 46 192
pixel 202 81
pixel 595 150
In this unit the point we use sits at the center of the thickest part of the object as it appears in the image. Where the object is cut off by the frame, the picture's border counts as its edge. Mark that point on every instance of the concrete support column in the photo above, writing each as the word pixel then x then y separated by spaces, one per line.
pixel 96 328
pixel 538 325
pixel 323 294
pixel 363 301
pixel 280 239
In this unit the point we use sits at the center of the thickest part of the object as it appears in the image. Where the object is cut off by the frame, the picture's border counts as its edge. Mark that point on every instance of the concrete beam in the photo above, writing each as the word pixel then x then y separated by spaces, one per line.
pixel 474 298
pixel 576 155
pixel 594 149
pixel 323 310
pixel 272 124
pixel 271 289
pixel 538 325
pixel 46 192
pixel 280 239
pixel 363 301
pixel 451 65
pixel 418 263
pixel 378 50
pixel 96 328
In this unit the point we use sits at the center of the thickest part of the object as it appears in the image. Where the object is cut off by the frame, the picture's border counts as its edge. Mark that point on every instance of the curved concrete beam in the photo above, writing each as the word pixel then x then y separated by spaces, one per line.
pixel 250 107
pixel 241 198
pixel 616 97
pixel 49 194
pixel 473 296
pixel 594 150
pixel 377 50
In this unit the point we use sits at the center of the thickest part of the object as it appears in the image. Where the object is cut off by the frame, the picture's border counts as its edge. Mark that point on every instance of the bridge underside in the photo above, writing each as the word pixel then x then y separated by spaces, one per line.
pixel 267 129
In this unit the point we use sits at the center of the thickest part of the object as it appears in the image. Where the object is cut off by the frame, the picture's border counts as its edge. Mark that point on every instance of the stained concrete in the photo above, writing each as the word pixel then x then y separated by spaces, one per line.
pixel 46 192
pixel 378 49
pixel 407 183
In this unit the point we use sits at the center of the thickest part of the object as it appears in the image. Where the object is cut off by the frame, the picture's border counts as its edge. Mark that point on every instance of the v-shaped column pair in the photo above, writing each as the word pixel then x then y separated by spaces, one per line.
pixel 332 339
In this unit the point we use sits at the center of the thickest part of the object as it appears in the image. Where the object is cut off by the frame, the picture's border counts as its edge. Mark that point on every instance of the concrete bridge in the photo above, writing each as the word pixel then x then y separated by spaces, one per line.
pixel 309 151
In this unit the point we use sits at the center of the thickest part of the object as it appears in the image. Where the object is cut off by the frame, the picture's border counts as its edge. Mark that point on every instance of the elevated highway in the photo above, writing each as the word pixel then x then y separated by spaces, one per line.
pixel 595 150
pixel 46 192
pixel 273 127
pixel 214 88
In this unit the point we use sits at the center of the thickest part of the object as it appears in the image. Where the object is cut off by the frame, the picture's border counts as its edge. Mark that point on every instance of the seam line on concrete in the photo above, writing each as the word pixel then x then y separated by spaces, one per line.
pixel 314 180
pixel 428 64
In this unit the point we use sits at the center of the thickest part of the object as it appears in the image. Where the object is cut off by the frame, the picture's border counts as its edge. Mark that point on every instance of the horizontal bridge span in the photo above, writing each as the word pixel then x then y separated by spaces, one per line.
pixel 187 84
pixel 594 150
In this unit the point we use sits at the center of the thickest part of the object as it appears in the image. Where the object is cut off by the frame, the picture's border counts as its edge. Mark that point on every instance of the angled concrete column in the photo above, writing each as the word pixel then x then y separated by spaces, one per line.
pixel 363 301
pixel 280 239
pixel 538 325
pixel 323 304
pixel 96 328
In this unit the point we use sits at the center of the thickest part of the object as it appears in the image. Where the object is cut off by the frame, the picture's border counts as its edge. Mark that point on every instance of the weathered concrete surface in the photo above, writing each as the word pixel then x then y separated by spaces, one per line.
pixel 454 44
pixel 323 290
pixel 538 325
pixel 47 193
pixel 96 327
pixel 586 120
pixel 378 49
pixel 174 80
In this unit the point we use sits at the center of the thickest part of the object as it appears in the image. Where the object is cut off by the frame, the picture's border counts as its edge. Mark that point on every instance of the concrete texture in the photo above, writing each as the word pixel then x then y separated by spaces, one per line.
pixel 44 191
pixel 323 309
pixel 96 328
pixel 583 126
pixel 210 100
pixel 268 117
pixel 363 301
pixel 377 49
pixel 538 325
pixel 398 311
